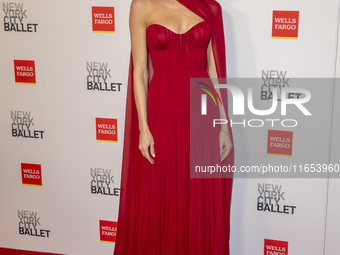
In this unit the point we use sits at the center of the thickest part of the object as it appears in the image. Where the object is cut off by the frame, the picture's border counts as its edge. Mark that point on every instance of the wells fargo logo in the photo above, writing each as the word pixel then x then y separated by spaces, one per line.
pixel 108 231
pixel 24 71
pixel 106 130
pixel 103 19
pixel 280 143
pixel 285 24
pixel 274 247
pixel 31 174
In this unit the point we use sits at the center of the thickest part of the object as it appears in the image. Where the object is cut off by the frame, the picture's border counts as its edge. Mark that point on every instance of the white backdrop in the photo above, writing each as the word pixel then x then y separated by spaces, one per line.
pixel 61 105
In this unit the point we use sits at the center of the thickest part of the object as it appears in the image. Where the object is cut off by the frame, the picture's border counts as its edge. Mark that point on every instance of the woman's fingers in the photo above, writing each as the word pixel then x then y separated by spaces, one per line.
pixel 226 152
pixel 147 156
pixel 152 149
pixel 145 143
pixel 145 152
pixel 222 146
pixel 225 145
pixel 224 155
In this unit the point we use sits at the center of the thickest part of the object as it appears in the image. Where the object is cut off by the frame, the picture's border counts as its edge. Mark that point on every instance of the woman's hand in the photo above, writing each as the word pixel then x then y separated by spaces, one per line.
pixel 225 144
pixel 146 142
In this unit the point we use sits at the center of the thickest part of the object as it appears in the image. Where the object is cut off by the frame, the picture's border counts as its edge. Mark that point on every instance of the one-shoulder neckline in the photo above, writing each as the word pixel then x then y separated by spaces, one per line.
pixel 155 24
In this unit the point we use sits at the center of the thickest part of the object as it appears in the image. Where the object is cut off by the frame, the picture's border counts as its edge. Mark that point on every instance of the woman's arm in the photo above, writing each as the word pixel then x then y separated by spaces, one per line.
pixel 225 141
pixel 138 22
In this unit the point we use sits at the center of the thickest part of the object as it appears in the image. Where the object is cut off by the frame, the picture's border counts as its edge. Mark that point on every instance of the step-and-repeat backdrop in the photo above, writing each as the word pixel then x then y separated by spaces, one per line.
pixel 64 67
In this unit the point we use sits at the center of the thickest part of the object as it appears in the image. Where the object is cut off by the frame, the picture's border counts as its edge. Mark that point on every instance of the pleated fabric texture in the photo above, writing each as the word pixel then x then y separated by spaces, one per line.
pixel 162 210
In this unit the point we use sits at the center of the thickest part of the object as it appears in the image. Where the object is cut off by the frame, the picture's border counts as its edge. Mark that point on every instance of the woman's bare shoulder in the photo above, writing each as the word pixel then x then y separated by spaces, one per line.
pixel 141 7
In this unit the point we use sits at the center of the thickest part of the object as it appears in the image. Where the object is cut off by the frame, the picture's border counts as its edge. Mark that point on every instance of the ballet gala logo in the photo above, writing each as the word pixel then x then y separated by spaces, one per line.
pixel 106 130
pixel 15 15
pixel 22 125
pixel 31 174
pixel 97 78
pixel 102 182
pixel 274 247
pixel 280 143
pixel 271 199
pixel 275 79
pixel 108 231
pixel 285 24
pixel 29 224
pixel 103 19
pixel 24 72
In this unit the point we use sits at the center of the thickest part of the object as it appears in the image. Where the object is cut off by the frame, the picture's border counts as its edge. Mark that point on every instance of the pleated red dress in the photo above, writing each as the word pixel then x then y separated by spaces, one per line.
pixel 162 210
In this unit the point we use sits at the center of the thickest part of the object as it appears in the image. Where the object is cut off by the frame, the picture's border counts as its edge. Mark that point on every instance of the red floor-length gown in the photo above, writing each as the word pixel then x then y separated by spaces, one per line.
pixel 162 210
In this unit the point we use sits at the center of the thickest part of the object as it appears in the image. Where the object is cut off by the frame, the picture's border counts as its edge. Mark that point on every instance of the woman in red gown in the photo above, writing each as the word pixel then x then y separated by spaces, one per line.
pixel 162 210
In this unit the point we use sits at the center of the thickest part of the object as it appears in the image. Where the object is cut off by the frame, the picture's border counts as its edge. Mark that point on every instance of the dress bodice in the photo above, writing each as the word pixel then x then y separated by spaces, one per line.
pixel 170 51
